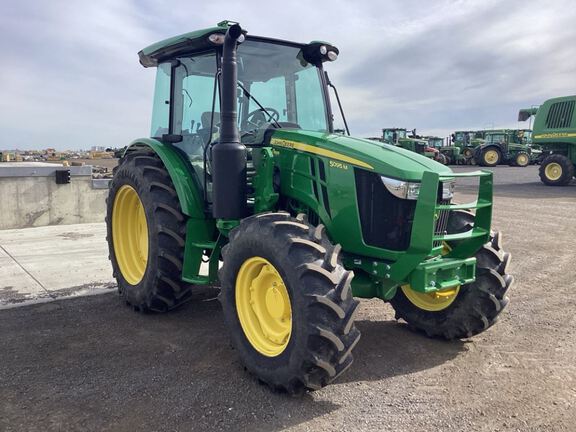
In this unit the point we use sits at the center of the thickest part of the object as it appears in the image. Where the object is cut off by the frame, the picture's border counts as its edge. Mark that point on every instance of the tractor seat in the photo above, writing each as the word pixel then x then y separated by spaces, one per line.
pixel 204 132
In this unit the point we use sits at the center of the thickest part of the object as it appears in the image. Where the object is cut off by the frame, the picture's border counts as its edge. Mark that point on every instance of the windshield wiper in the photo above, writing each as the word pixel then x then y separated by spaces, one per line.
pixel 329 83
pixel 247 93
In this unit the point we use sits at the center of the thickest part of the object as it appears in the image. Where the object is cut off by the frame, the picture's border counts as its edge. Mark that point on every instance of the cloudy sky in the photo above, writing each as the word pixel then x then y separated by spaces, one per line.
pixel 70 77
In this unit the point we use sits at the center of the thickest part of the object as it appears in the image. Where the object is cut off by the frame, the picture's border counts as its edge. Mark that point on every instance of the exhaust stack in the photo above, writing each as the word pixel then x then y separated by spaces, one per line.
pixel 228 154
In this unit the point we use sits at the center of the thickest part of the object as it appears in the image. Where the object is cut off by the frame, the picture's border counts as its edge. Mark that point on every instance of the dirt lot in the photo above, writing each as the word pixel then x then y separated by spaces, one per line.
pixel 92 364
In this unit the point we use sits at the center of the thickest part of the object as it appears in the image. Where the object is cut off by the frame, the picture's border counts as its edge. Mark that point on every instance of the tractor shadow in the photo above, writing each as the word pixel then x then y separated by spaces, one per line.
pixel 388 349
pixel 146 371
pixel 106 367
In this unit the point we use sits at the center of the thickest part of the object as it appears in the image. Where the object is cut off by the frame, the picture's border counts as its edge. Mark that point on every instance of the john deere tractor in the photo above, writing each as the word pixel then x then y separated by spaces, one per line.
pixel 446 154
pixel 467 141
pixel 555 133
pixel 503 146
pixel 244 185
pixel 413 142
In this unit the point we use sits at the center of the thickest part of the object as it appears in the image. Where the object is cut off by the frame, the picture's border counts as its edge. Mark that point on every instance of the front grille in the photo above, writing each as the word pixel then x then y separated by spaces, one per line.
pixel 560 115
pixel 386 220
pixel 442 221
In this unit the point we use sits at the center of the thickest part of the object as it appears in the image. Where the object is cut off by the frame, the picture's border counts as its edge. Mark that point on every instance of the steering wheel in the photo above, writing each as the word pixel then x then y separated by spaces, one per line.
pixel 258 116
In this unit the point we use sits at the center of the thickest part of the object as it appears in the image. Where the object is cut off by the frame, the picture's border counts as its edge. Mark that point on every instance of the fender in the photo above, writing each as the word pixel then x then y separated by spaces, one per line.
pixel 183 176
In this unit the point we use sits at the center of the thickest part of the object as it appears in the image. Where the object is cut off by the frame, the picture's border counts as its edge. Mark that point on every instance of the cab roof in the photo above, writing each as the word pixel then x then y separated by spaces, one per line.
pixel 194 42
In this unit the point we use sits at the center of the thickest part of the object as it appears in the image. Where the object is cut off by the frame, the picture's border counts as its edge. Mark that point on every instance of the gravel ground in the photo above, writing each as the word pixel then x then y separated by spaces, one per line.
pixel 92 364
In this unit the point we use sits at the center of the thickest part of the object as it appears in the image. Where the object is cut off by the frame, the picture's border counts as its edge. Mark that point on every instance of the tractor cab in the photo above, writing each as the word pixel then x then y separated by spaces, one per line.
pixel 280 85
pixel 435 142
pixel 399 137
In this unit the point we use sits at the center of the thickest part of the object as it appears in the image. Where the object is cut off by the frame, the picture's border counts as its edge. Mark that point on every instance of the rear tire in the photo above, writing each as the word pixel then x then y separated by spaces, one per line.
pixel 319 345
pixel 556 170
pixel 159 287
pixel 476 305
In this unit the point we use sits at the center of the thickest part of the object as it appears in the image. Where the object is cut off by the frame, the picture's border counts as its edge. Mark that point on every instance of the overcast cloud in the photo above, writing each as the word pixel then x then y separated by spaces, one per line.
pixel 70 76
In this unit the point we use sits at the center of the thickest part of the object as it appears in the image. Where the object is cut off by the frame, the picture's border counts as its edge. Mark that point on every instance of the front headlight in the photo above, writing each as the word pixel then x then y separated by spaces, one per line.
pixel 410 190
pixel 448 189
pixel 401 189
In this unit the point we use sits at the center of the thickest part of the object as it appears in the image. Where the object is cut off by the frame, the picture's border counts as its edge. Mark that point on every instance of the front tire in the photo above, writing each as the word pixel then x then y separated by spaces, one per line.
pixel 280 269
pixel 522 160
pixel 463 311
pixel 556 170
pixel 146 234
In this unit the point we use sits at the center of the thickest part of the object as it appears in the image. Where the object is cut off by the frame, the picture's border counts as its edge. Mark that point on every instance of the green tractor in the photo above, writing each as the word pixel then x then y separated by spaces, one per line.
pixel 554 132
pixel 243 184
pixel 448 155
pixel 503 146
pixel 417 144
pixel 467 141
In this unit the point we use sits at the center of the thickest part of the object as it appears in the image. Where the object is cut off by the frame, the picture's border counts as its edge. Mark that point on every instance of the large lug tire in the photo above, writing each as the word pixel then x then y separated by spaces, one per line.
pixel 442 159
pixel 490 157
pixel 142 195
pixel 469 309
pixel 556 170
pixel 306 266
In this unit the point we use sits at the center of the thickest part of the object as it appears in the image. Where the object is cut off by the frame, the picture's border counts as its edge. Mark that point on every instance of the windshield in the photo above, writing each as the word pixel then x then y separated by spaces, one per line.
pixel 525 136
pixel 279 86
pixel 496 138
pixel 391 135
pixel 436 142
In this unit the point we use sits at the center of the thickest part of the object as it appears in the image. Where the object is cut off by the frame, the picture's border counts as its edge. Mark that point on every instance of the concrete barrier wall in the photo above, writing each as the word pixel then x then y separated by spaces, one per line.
pixel 30 197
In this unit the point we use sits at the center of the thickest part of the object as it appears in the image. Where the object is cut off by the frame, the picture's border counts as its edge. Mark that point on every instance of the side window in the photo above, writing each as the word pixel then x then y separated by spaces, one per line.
pixel 197 92
pixel 192 100
pixel 193 96
pixel 161 107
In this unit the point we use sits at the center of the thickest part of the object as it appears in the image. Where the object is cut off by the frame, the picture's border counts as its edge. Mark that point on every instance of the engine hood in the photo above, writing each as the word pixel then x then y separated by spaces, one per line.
pixel 385 159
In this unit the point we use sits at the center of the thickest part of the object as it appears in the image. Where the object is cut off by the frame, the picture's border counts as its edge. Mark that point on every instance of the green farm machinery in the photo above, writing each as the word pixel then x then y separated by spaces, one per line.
pixel 467 141
pixel 504 146
pixel 449 155
pixel 412 142
pixel 554 132
pixel 244 185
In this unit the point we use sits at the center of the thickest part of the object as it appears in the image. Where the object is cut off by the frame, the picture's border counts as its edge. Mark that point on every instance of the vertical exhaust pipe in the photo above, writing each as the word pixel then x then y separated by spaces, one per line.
pixel 228 154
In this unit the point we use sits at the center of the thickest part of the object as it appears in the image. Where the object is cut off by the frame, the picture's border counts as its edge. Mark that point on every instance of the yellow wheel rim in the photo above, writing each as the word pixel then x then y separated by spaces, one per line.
pixel 522 160
pixel 491 157
pixel 434 301
pixel 130 234
pixel 467 152
pixel 553 171
pixel 263 306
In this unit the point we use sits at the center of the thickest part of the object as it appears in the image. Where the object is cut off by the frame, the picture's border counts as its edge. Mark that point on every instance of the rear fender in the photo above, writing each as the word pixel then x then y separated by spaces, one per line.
pixel 183 176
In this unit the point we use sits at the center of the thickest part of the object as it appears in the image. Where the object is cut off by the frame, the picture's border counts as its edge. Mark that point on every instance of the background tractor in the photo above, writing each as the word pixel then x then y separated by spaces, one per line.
pixel 413 142
pixel 244 184
pixel 448 154
pixel 467 141
pixel 554 132
pixel 504 146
